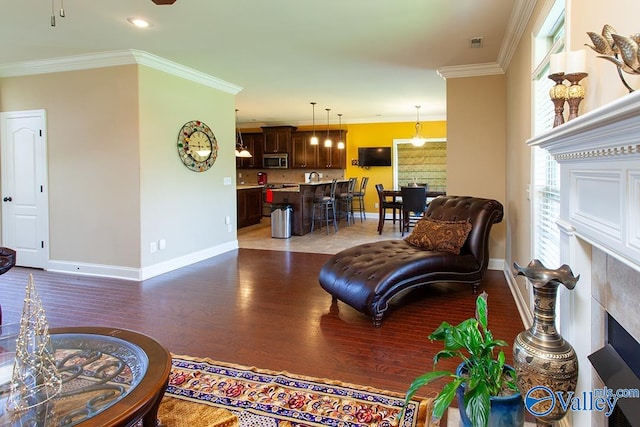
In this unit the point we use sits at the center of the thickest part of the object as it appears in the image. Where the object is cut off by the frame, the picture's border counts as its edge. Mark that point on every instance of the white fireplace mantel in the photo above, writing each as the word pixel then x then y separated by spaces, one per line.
pixel 599 156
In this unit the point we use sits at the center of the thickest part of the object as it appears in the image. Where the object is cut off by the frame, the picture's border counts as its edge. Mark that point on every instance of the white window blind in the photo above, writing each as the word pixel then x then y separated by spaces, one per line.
pixel 546 172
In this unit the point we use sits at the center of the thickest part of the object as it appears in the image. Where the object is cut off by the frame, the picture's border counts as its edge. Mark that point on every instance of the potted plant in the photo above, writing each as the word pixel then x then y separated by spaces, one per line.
pixel 484 384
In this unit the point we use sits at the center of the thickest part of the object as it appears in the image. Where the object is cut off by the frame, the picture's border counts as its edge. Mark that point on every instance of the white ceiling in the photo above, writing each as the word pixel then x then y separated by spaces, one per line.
pixel 371 60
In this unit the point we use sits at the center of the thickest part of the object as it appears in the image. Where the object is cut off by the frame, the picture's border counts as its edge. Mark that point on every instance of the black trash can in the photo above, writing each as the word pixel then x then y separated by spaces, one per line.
pixel 281 220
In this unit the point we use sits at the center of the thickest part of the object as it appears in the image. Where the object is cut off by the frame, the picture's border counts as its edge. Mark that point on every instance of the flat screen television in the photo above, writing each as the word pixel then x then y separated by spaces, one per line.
pixel 374 156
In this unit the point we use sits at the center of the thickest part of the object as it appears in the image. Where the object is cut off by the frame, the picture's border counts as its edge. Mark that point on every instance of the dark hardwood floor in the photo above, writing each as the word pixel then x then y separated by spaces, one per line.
pixel 266 309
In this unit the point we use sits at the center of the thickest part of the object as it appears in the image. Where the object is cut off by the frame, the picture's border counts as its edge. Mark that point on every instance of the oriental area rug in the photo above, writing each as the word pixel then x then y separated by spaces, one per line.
pixel 261 398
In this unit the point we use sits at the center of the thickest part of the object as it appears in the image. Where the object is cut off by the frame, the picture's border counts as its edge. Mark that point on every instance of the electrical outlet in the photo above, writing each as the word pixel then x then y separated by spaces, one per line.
pixel 376 205
pixel 162 244
pixel 153 247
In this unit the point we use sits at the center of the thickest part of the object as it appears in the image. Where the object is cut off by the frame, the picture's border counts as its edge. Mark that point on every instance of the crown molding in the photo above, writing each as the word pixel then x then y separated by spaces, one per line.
pixel 474 70
pixel 518 21
pixel 360 120
pixel 520 16
pixel 112 59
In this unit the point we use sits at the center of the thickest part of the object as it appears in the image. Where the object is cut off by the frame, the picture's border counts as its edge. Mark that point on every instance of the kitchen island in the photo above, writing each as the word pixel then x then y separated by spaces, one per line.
pixel 301 200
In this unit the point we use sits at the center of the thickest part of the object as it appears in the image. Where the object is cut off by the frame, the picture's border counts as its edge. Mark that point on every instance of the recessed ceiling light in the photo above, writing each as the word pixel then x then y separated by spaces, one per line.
pixel 139 22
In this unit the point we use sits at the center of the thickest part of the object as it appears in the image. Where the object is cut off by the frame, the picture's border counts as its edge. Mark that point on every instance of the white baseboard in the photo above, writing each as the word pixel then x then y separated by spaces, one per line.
pixel 100 270
pixel 518 298
pixel 183 261
pixel 138 274
pixel 496 264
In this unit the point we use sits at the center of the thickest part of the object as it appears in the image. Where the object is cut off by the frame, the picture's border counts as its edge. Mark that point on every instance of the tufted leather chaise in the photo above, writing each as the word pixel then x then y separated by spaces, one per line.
pixel 368 276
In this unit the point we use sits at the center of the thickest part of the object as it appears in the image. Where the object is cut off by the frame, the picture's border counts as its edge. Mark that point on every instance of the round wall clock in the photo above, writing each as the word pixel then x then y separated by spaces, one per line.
pixel 197 146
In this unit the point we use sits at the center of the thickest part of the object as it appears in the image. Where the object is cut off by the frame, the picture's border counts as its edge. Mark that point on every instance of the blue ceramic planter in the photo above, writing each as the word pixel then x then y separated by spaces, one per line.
pixel 506 411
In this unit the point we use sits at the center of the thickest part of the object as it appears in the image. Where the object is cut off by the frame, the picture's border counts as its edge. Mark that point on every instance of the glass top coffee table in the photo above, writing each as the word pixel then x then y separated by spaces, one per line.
pixel 111 377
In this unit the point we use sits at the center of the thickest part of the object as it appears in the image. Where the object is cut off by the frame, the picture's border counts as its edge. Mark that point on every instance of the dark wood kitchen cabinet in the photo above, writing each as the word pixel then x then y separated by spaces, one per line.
pixel 254 142
pixel 277 139
pixel 332 157
pixel 307 156
pixel 303 154
pixel 249 206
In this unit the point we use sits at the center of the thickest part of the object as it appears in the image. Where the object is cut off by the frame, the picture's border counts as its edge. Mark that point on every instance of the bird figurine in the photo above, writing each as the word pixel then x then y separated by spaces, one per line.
pixel 621 50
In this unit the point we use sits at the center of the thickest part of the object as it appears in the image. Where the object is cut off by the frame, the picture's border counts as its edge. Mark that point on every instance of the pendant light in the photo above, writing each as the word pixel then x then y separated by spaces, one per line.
pixel 53 13
pixel 314 138
pixel 418 140
pixel 327 142
pixel 340 141
pixel 241 150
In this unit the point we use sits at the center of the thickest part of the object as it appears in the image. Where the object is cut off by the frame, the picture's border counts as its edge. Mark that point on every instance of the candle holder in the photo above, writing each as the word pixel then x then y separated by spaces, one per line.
pixel 558 95
pixel 575 93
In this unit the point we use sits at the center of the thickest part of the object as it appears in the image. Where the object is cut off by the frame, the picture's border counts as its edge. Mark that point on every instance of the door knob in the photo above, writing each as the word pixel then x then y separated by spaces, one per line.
pixel 7 199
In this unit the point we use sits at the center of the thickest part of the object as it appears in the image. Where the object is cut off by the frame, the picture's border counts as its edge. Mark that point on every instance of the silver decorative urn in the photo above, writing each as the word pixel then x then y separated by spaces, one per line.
pixel 546 364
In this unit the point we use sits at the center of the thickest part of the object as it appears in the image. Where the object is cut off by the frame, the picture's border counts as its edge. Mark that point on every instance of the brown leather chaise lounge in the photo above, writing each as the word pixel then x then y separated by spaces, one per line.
pixel 368 276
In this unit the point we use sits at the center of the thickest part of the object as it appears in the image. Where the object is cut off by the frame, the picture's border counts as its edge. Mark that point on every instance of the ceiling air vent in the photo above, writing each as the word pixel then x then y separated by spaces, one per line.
pixel 475 42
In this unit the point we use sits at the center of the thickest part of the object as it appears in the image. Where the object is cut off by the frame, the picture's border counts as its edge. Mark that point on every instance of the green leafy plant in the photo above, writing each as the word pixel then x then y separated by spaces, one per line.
pixel 484 373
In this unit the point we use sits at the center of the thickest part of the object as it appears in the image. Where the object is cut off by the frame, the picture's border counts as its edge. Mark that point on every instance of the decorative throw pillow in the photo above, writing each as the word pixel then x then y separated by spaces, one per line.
pixel 434 235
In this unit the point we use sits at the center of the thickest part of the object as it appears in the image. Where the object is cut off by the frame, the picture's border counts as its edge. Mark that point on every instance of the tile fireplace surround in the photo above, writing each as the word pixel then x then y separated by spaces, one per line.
pixel 599 157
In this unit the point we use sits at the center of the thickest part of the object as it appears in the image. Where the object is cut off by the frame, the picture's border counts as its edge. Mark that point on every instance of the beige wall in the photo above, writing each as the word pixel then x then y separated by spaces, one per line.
pixel 116 181
pixel 93 157
pixel 476 144
pixel 187 209
pixel 603 84
pixel 518 156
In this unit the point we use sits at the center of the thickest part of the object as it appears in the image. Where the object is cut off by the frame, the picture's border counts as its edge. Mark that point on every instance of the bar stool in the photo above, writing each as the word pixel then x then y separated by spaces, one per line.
pixel 346 201
pixel 359 197
pixel 326 204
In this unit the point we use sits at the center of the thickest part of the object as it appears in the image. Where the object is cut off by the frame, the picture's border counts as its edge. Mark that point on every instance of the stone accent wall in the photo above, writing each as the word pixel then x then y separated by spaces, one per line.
pixel 423 165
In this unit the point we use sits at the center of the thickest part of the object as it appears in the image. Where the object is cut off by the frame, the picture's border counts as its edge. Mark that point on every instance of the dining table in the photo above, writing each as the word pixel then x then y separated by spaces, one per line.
pixel 395 195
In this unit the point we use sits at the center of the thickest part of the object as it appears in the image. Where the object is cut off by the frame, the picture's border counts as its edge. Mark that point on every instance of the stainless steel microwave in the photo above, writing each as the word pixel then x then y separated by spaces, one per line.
pixel 275 161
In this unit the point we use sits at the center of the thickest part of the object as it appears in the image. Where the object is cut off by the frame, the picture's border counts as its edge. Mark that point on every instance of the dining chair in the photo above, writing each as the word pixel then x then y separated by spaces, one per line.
pixel 345 201
pixel 385 203
pixel 326 205
pixel 359 196
pixel 414 205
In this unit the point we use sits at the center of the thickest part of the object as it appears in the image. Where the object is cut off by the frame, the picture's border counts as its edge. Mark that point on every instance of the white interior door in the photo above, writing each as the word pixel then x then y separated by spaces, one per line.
pixel 25 215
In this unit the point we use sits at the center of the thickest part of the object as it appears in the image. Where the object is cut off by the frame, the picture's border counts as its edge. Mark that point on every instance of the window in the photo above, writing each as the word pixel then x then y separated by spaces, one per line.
pixel 420 165
pixel 546 173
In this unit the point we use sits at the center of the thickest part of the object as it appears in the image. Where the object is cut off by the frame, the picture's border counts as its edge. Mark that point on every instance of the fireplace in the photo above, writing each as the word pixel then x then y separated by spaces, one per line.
pixel 599 157
pixel 615 291
pixel 619 369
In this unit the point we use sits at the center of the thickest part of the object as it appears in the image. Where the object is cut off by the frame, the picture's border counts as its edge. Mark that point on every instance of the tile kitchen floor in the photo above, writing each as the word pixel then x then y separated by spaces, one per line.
pixel 259 237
